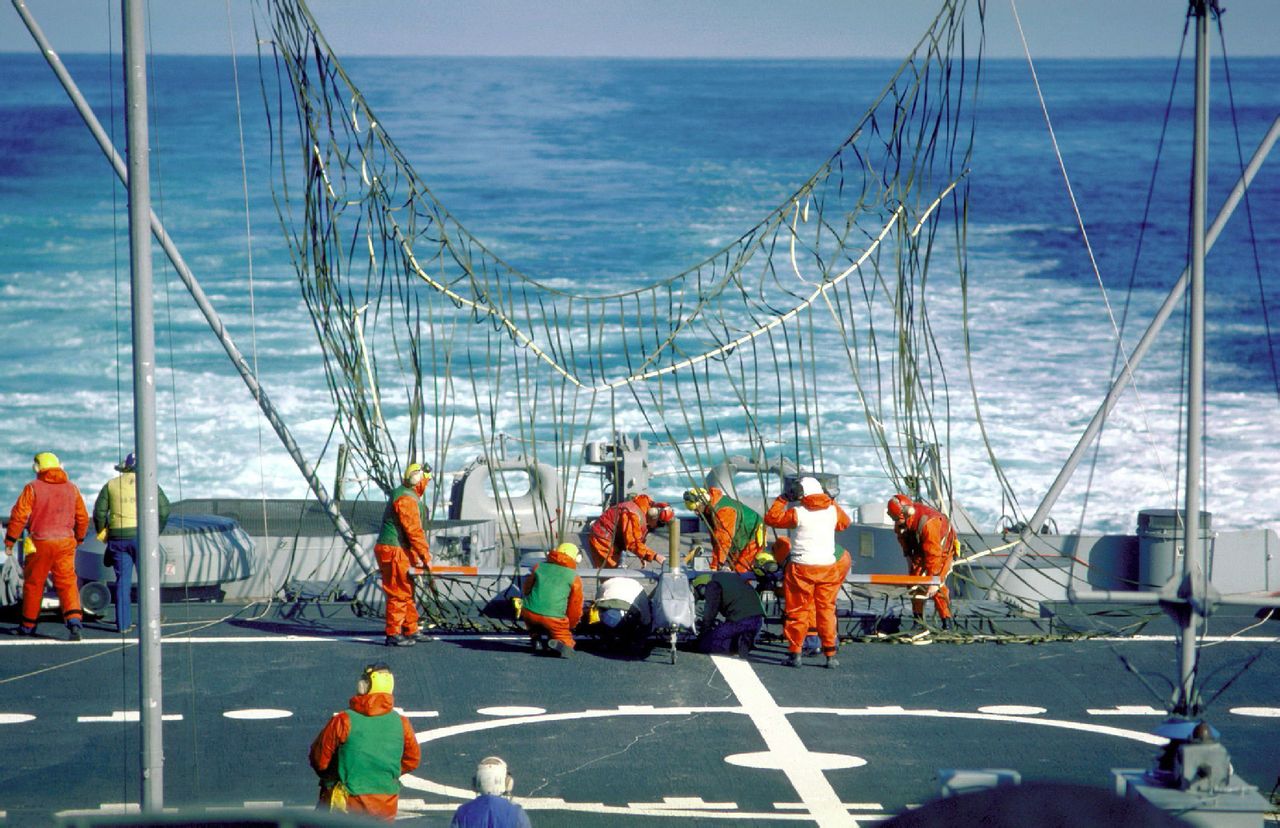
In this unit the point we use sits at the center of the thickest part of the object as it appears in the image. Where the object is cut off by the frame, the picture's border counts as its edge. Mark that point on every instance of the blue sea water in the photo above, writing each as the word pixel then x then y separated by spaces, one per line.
pixel 601 172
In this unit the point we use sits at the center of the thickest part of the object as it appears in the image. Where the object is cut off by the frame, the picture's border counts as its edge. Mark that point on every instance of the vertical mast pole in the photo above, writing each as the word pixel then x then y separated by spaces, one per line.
pixel 144 405
pixel 1192 587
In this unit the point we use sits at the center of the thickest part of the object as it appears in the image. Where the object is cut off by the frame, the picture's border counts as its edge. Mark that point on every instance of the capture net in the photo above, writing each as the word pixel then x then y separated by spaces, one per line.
pixel 431 339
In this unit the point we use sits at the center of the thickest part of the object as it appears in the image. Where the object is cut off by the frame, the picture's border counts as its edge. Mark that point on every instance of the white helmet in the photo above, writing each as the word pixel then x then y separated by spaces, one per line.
pixel 492 778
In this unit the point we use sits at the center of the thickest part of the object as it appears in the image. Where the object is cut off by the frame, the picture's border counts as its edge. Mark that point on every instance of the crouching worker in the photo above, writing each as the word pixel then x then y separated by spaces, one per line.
pixel 621 616
pixel 729 595
pixel 493 807
pixel 362 751
pixel 552 603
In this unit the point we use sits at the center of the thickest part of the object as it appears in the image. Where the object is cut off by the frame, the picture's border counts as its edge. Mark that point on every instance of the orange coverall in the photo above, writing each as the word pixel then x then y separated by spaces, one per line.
pixel 394 563
pixel 324 753
pixel 622 527
pixel 561 629
pixel 810 590
pixel 51 508
pixel 929 542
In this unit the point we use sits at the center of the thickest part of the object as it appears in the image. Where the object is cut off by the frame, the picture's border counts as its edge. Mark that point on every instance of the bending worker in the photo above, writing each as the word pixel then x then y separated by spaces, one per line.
pixel 737 530
pixel 624 527
pixel 814 573
pixel 402 543
pixel 928 540
pixel 116 512
pixel 621 614
pixel 362 752
pixel 493 807
pixel 728 594
pixel 552 603
pixel 51 510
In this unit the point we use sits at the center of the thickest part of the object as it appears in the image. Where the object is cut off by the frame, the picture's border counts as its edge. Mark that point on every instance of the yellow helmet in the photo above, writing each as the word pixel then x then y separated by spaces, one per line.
pixel 376 678
pixel 414 472
pixel 764 564
pixel 695 499
pixel 569 550
pixel 44 461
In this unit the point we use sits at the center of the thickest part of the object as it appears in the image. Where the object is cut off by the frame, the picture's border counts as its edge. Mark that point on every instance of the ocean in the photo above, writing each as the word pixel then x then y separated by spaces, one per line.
pixel 601 172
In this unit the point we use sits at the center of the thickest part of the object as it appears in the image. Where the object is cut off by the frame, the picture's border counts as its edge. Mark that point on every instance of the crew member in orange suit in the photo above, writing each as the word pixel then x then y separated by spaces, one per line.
pixel 52 511
pixel 737 531
pixel 552 603
pixel 624 528
pixel 814 572
pixel 402 543
pixel 362 752
pixel 928 540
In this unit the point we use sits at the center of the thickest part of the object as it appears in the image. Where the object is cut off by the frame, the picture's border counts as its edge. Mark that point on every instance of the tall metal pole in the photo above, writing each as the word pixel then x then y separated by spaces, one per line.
pixel 362 557
pixel 1192 587
pixel 144 405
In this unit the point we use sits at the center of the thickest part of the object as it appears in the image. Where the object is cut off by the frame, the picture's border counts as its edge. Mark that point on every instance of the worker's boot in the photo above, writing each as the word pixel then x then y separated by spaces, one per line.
pixel 946 623
pixel 832 662
pixel 792 660
pixel 742 644
pixel 420 635
pixel 399 641
pixel 559 649
pixel 73 632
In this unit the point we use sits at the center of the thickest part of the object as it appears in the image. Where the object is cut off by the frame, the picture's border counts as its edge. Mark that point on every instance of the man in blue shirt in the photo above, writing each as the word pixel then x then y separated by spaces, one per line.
pixel 493 808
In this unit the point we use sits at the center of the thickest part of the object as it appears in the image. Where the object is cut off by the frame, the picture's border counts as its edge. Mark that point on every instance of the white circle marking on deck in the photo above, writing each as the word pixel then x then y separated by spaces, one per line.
pixel 258 713
pixel 511 711
pixel 1011 710
pixel 15 718
pixel 1263 712
pixel 768 760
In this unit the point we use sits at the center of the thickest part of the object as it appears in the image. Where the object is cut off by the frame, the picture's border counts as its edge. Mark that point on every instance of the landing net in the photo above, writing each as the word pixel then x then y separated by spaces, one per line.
pixel 432 340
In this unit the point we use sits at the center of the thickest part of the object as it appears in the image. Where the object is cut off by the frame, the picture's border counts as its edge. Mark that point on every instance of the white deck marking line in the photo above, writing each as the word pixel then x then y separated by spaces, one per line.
pixel 377 638
pixel 1126 710
pixel 426 785
pixel 257 713
pixel 127 716
pixel 804 774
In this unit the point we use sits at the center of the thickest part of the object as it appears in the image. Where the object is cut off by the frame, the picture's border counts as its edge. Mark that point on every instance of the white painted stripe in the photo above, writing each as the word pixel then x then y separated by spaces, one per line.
pixel 418 714
pixel 1011 710
pixel 16 718
pixel 1104 730
pixel 511 711
pixel 799 765
pixel 684 802
pixel 253 713
pixel 127 716
pixel 115 641
pixel 1264 712
pixel 1126 710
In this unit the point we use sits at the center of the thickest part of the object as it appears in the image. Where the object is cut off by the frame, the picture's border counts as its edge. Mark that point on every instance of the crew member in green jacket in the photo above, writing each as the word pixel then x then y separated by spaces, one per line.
pixel 729 595
pixel 552 603
pixel 116 512
pixel 363 751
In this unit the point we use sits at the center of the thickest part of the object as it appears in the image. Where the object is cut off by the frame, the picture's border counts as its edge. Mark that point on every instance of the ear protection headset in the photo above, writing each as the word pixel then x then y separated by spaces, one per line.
pixel 414 473
pixel 491 777
pixel 901 507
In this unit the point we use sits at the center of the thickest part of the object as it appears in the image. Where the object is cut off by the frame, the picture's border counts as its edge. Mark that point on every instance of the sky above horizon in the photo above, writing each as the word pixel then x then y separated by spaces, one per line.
pixel 654 28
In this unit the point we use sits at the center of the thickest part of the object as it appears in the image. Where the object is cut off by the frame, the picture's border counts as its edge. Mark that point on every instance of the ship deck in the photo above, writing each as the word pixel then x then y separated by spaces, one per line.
pixel 601 739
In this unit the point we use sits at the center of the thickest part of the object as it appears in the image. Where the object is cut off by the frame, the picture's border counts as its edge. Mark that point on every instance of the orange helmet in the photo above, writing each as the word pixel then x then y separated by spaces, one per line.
pixel 901 507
